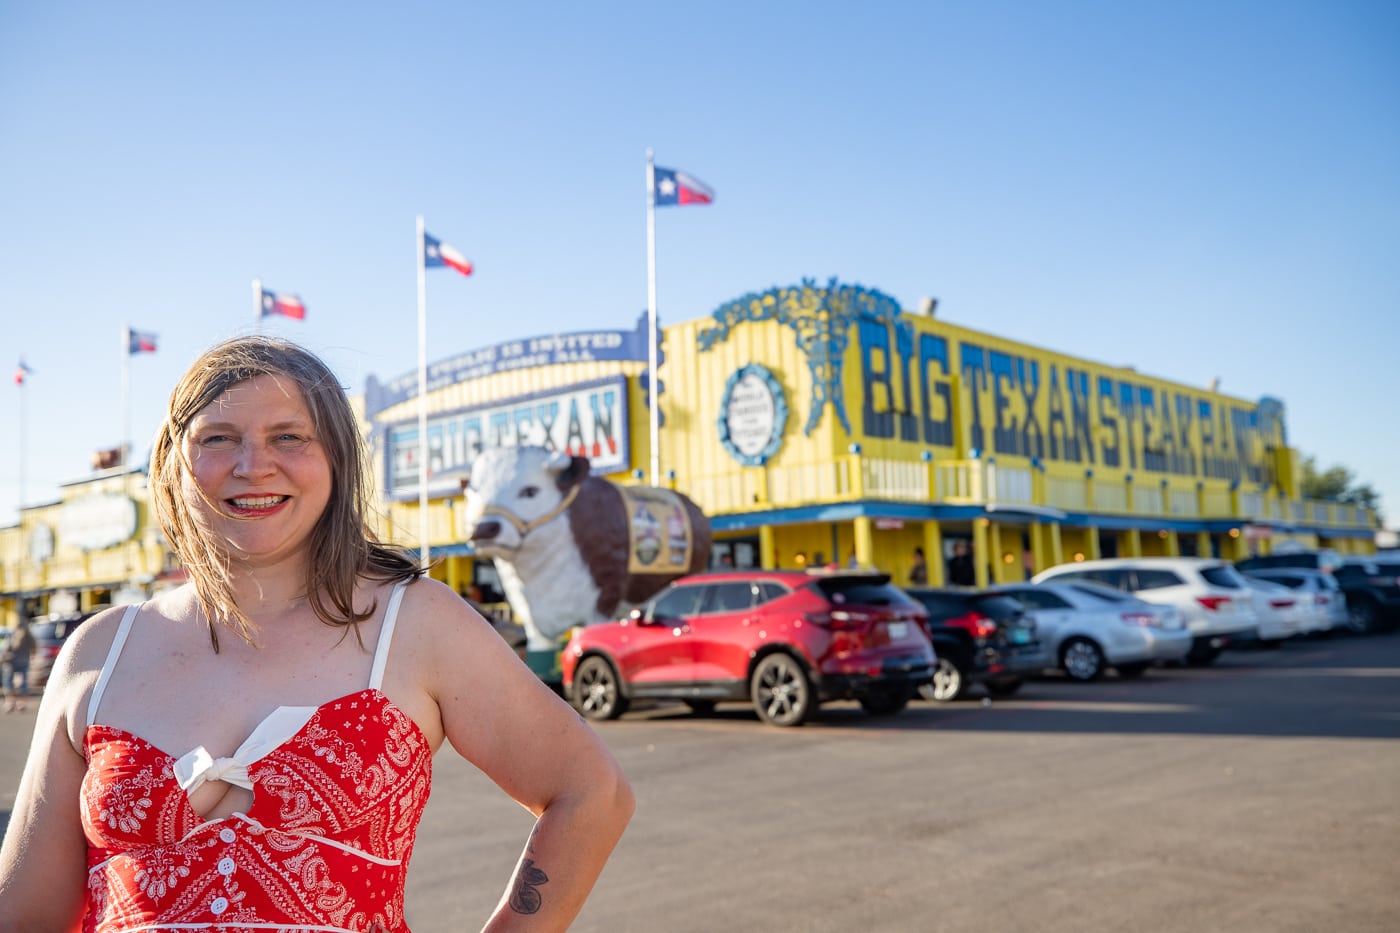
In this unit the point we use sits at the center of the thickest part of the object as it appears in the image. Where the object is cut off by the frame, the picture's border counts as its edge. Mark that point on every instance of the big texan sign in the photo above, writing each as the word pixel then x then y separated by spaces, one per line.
pixel 588 419
pixel 1018 401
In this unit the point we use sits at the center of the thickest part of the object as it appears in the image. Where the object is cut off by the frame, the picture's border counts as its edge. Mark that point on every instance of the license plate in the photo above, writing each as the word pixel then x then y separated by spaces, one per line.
pixel 1019 636
pixel 899 629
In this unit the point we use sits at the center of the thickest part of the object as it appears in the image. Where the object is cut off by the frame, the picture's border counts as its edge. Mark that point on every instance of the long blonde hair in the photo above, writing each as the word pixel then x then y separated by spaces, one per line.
pixel 341 549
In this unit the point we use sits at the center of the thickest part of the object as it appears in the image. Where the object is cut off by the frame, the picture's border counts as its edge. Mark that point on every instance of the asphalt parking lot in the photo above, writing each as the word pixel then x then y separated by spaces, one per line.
pixel 1260 794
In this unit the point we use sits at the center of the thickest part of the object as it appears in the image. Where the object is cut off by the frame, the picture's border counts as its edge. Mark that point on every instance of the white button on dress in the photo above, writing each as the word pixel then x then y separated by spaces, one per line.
pixel 219 906
pixel 226 835
pixel 226 866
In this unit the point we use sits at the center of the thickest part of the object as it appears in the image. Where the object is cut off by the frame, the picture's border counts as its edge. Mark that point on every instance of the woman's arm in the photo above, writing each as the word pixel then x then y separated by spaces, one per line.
pixel 498 715
pixel 43 863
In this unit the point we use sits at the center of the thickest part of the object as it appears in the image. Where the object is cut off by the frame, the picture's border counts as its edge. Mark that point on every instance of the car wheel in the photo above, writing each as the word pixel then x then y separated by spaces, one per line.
pixel 597 693
pixel 886 699
pixel 1082 659
pixel 781 692
pixel 1005 686
pixel 1362 616
pixel 701 707
pixel 1132 671
pixel 1201 655
pixel 948 682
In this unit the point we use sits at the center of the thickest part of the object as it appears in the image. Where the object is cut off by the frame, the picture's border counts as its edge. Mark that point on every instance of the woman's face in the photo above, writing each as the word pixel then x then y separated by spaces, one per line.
pixel 255 456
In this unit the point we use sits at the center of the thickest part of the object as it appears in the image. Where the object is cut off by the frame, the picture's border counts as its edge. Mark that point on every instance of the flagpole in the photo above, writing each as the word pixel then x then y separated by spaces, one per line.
pixel 19 515
pixel 422 400
pixel 257 304
pixel 126 391
pixel 654 383
pixel 125 443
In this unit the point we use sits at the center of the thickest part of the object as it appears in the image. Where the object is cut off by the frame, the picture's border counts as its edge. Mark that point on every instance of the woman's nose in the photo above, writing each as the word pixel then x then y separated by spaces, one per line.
pixel 254 459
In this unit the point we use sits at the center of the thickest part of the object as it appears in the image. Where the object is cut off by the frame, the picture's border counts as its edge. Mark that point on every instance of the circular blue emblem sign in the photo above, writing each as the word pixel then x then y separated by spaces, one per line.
pixel 752 415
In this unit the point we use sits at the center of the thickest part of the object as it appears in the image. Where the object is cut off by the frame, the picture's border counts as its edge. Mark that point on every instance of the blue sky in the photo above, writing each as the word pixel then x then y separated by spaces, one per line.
pixel 1199 190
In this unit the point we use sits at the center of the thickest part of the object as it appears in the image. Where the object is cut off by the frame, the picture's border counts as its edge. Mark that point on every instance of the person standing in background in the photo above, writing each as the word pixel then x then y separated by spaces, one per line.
pixel 18 650
pixel 918 574
pixel 961 571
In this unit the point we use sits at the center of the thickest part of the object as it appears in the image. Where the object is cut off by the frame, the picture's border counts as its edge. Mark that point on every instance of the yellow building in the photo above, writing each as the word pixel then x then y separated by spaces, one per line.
pixel 822 423
pixel 813 424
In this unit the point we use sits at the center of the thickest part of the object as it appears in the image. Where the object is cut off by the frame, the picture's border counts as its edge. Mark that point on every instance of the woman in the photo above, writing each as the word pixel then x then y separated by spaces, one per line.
pixel 253 750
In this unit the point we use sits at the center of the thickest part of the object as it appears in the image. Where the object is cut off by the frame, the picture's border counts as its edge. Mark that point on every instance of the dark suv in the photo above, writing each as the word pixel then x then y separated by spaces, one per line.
pixel 1372 591
pixel 784 640
pixel 979 637
pixel 49 633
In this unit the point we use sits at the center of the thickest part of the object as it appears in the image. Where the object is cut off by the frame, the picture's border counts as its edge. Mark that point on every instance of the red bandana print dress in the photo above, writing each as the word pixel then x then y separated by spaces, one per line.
pixel 337 794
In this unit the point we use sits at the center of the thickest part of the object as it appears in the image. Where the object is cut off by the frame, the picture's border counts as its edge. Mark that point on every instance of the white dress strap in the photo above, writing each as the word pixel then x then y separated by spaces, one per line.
pixel 118 641
pixel 386 634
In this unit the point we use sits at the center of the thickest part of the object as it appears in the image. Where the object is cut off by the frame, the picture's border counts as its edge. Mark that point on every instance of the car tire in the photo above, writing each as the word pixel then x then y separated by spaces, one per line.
pixel 886 699
pixel 1202 655
pixel 701 707
pixel 948 683
pixel 1004 687
pixel 1082 659
pixel 597 690
pixel 1132 671
pixel 1362 616
pixel 781 693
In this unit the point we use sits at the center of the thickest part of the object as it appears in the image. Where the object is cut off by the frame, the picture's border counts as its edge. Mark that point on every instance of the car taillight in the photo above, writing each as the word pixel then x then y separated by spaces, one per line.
pixel 53 650
pixel 1321 599
pixel 1213 603
pixel 978 625
pixel 838 620
pixel 1138 618
pixel 1281 603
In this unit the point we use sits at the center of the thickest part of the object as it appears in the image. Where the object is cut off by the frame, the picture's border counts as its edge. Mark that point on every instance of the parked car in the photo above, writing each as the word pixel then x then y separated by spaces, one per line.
pixel 980 638
pixel 1372 591
pixel 50 632
pixel 1087 628
pixel 1316 585
pixel 1211 594
pixel 1282 613
pixel 785 640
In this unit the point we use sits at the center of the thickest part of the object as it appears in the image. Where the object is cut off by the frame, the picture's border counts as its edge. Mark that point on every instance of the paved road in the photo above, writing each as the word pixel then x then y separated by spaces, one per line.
pixel 1262 794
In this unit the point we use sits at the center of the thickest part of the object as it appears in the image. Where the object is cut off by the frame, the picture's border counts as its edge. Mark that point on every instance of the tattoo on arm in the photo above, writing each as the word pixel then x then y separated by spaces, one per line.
pixel 526 898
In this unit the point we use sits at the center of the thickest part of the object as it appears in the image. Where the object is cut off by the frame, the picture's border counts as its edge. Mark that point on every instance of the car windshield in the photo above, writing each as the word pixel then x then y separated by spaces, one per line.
pixel 1223 575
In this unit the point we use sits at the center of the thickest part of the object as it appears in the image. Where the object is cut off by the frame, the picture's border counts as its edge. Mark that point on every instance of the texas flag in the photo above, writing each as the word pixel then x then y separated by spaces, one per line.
pixel 438 253
pixel 285 305
pixel 140 341
pixel 678 188
pixel 21 371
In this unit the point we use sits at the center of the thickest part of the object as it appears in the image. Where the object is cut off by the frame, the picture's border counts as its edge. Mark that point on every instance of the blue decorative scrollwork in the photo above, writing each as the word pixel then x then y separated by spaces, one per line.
pixel 822 319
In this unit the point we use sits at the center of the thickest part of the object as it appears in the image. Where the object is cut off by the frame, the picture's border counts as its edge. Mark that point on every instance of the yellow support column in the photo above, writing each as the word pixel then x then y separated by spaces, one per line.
pixel 1173 545
pixel 998 571
pixel 933 554
pixel 1057 547
pixel 1095 547
pixel 980 544
pixel 864 531
pixel 766 556
pixel 1134 543
pixel 1203 543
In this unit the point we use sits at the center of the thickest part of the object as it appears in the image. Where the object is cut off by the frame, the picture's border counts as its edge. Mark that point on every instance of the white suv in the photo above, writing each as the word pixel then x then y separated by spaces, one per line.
pixel 1212 596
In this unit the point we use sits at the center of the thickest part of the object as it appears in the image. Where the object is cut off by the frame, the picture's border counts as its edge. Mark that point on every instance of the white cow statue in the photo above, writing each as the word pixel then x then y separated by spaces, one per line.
pixel 572 548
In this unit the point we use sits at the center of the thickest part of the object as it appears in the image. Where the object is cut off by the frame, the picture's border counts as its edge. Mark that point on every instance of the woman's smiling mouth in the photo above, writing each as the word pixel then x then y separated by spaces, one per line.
pixel 256 503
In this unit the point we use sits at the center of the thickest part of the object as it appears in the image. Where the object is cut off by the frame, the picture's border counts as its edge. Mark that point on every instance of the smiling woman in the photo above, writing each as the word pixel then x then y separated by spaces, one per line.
pixel 209 773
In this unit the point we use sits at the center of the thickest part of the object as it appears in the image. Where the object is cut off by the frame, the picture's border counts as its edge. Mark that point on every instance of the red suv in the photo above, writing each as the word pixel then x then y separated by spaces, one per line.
pixel 784 640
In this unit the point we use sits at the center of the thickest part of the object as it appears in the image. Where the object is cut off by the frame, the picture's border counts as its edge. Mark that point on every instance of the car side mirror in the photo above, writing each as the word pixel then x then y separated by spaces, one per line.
pixel 638 615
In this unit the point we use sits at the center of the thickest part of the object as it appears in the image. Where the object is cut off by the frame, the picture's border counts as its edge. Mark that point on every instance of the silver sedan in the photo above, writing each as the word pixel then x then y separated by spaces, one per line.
pixel 1086 628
